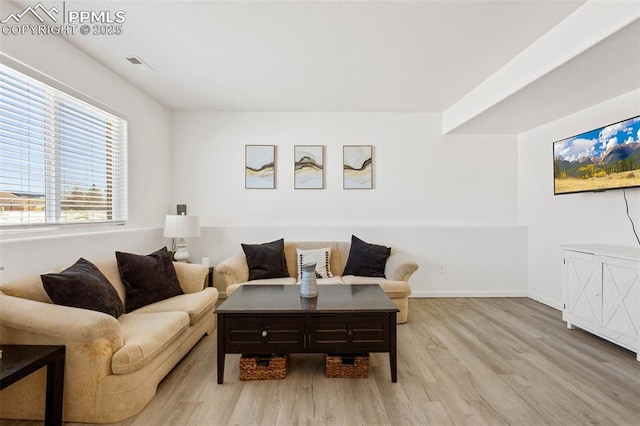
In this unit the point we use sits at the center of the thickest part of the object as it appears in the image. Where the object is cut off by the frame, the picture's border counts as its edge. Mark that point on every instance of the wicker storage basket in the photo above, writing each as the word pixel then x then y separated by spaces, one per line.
pixel 343 365
pixel 263 367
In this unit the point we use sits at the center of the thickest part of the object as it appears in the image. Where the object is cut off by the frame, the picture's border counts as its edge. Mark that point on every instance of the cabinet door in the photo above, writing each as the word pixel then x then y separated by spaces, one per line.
pixel 582 289
pixel 620 318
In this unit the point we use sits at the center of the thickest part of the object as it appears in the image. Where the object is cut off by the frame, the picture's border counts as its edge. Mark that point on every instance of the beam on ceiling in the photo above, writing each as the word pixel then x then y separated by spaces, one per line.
pixel 588 25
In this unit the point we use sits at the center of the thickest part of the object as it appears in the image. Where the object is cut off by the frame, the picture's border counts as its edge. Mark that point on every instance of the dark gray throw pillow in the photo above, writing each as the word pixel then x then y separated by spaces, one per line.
pixel 266 260
pixel 147 279
pixel 82 285
pixel 366 260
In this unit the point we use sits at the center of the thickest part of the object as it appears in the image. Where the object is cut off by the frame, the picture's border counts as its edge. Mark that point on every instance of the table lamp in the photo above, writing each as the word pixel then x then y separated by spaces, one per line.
pixel 181 226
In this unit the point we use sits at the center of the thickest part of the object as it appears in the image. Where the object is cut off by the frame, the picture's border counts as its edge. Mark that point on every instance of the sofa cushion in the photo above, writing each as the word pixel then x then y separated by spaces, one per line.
pixel 109 268
pixel 393 289
pixel 191 276
pixel 82 285
pixel 194 304
pixel 147 279
pixel 27 288
pixel 321 257
pixel 365 259
pixel 145 336
pixel 266 260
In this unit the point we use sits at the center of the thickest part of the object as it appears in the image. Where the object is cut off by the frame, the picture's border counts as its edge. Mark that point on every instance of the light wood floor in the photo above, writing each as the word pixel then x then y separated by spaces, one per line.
pixel 460 361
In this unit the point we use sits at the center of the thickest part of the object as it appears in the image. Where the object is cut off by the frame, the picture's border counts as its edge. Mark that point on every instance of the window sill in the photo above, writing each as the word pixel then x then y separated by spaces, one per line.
pixel 53 232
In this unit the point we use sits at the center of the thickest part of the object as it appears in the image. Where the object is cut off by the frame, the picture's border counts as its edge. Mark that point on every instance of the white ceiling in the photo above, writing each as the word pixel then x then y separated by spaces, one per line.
pixel 388 56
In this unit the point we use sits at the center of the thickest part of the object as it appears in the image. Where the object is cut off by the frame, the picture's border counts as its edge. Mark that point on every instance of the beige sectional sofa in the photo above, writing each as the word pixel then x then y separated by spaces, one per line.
pixel 398 269
pixel 113 366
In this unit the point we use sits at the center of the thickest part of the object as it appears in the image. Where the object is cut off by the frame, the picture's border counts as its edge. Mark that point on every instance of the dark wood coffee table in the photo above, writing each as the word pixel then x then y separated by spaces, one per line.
pixel 268 319
pixel 18 361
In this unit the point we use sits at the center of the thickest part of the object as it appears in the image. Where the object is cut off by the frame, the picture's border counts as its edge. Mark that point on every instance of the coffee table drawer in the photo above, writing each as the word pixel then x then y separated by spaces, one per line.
pixel 353 333
pixel 264 335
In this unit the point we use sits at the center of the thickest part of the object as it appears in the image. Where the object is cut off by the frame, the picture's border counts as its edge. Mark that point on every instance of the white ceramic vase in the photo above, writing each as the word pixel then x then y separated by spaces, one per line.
pixel 308 283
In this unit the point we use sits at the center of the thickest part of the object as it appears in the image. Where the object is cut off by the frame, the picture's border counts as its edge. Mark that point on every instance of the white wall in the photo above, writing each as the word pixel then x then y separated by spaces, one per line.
pixel 572 218
pixel 420 176
pixel 442 199
pixel 479 261
pixel 35 255
pixel 148 156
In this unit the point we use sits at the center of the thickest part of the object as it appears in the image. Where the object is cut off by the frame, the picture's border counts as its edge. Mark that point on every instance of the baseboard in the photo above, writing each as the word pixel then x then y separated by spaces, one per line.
pixel 419 294
pixel 545 301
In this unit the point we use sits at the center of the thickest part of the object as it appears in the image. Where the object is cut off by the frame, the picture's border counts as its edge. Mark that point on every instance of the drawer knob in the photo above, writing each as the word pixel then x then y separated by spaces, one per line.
pixel 264 333
pixel 350 333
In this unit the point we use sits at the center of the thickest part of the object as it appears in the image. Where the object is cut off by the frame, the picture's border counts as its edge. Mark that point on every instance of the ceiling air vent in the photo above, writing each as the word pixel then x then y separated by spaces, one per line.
pixel 139 63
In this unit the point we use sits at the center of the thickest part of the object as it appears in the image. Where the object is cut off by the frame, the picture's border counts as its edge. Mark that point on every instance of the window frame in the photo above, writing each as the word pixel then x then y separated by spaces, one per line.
pixel 53 197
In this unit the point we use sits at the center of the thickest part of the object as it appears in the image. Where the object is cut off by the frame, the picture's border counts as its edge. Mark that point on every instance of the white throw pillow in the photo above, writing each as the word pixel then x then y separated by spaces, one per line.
pixel 322 257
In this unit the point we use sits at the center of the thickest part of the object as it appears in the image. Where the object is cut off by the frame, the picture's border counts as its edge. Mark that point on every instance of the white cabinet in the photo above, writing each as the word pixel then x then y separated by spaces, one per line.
pixel 601 288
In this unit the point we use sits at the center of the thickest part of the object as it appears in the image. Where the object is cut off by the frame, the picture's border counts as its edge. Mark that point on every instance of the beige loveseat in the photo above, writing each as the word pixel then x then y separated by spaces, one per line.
pixel 235 272
pixel 113 366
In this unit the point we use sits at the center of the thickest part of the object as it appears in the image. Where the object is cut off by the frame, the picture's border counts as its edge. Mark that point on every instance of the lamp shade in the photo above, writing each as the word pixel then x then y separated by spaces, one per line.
pixel 181 226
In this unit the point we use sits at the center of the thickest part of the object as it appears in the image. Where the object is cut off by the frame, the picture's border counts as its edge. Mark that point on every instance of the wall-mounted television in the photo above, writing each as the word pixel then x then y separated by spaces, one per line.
pixel 598 160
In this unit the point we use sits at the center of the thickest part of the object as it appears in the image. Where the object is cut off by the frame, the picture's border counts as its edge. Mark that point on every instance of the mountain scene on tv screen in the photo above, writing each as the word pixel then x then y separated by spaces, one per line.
pixel 601 159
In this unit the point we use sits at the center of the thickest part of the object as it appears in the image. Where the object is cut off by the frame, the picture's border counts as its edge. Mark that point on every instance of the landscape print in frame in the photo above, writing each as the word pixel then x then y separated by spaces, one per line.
pixel 260 167
pixel 308 166
pixel 357 167
pixel 600 159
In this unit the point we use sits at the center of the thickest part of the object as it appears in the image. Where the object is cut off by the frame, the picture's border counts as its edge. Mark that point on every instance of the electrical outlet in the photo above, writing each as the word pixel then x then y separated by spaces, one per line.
pixel 443 268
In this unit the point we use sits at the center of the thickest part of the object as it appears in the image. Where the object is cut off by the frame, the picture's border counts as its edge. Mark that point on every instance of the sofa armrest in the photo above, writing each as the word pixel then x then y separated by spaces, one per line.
pixel 234 269
pixel 191 276
pixel 58 322
pixel 399 267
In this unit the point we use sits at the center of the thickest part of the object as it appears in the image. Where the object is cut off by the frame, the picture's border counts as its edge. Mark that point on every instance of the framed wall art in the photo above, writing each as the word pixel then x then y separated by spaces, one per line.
pixel 308 166
pixel 357 167
pixel 260 167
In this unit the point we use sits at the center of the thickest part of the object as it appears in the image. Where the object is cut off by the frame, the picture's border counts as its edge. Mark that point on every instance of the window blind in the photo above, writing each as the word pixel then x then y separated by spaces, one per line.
pixel 62 160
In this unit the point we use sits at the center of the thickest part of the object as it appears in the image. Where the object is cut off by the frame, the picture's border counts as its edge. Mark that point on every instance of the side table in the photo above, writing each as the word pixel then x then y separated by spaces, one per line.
pixel 18 361
pixel 210 276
